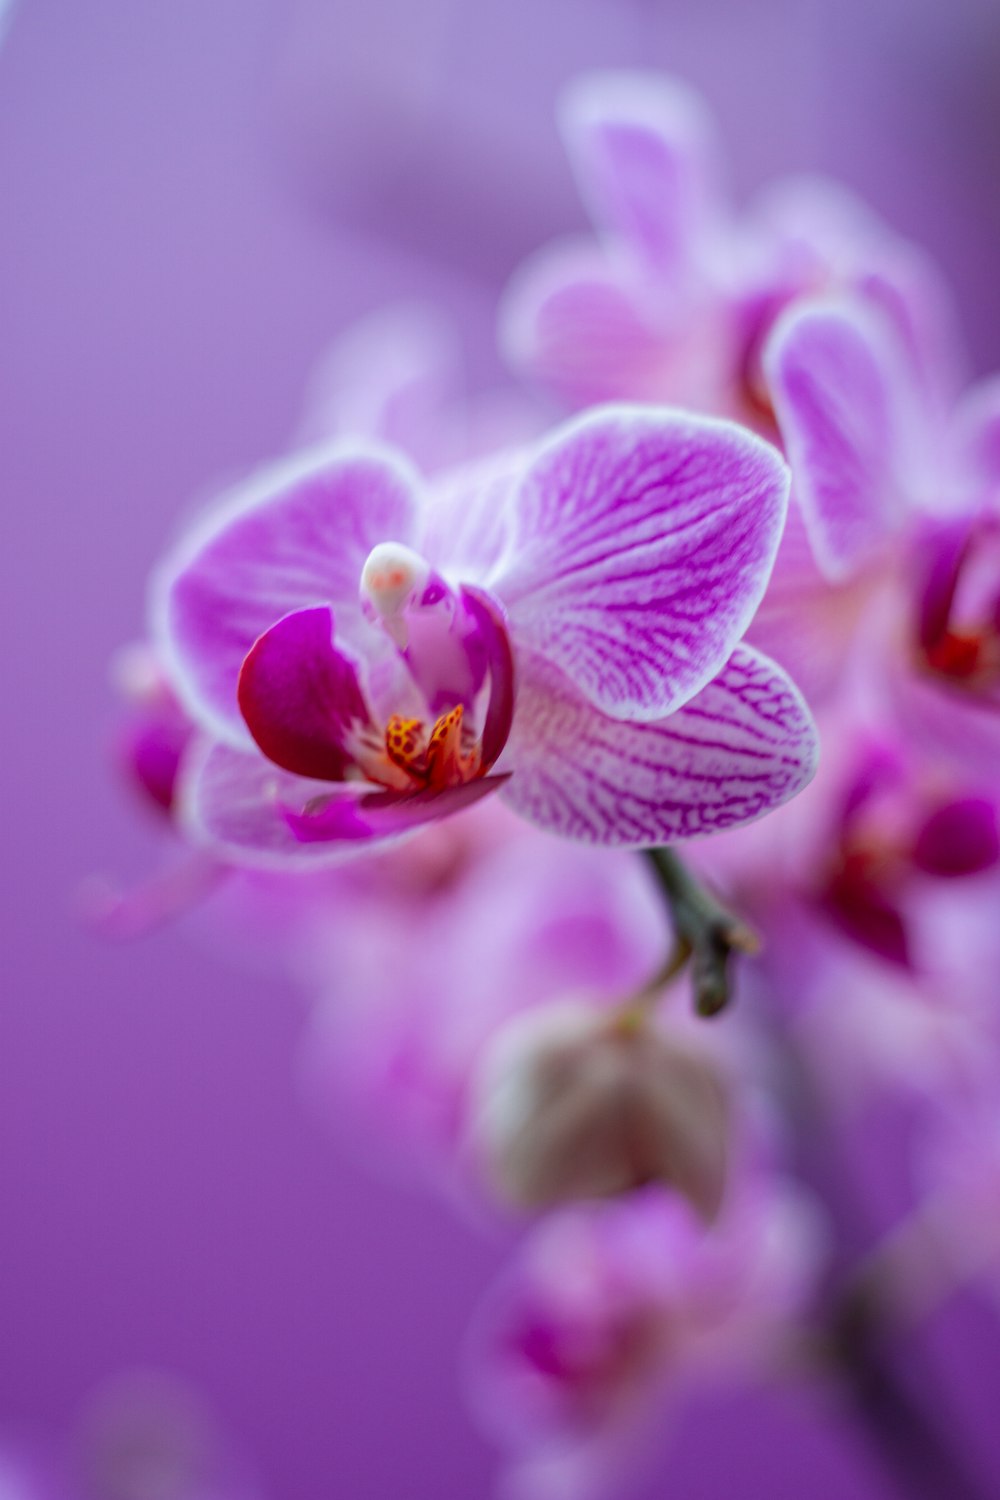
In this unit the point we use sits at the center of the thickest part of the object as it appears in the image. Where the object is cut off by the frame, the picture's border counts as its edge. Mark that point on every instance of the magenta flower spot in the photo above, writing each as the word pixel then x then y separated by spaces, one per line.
pixel 899 822
pixel 561 627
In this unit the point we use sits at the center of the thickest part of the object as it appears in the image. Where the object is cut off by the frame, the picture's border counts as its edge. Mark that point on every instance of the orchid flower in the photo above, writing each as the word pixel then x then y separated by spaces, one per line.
pixel 611 1311
pixel 364 656
pixel 871 894
pixel 885 491
pixel 674 296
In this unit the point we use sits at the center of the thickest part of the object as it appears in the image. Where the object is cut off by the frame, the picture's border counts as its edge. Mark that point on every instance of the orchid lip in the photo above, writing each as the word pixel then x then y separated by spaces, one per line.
pixel 306 706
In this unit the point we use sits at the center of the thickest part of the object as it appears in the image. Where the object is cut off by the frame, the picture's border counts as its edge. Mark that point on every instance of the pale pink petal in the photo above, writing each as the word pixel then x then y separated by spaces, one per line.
pixel 236 801
pixel 391 377
pixel 641 544
pixel 251 812
pixel 573 323
pixel 296 535
pixel 743 745
pixel 646 158
pixel 805 624
pixel 834 383
pixel 977 439
pixel 464 524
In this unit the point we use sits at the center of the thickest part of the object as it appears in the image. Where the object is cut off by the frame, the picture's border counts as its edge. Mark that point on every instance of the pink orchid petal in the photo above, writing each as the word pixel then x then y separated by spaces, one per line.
pixel 743 745
pixel 977 424
pixel 391 377
pixel 947 550
pixel 645 155
pixel 499 660
pixel 301 697
pixel 295 536
pixel 832 376
pixel 381 815
pixel 642 543
pixel 250 812
pixel 570 322
pixel 804 624
pixel 464 528
pixel 959 838
pixel 235 802
pixel 904 283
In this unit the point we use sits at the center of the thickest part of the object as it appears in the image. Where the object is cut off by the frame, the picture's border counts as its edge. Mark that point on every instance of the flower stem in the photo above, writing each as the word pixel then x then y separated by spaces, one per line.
pixel 707 933
pixel 911 1440
pixel 883 1294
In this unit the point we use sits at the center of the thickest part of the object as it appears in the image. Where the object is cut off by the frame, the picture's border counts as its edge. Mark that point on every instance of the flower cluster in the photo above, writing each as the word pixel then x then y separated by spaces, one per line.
pixel 768 478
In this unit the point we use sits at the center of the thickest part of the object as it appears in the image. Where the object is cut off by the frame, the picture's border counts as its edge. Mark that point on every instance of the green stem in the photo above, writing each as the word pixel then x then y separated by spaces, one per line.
pixel 706 931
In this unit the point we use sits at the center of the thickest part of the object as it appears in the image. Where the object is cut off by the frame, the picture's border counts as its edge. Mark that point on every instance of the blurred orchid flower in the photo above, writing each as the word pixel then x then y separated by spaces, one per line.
pixel 578 612
pixel 611 1311
pixel 677 299
pixel 880 886
pixel 674 297
pixel 883 488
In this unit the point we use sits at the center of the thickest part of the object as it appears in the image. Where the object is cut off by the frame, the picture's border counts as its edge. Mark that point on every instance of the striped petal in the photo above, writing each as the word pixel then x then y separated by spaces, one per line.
pixel 742 746
pixel 295 536
pixel 641 544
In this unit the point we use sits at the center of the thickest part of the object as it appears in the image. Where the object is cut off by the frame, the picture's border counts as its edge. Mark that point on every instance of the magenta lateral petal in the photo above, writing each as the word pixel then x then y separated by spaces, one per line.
pixel 946 551
pixel 743 745
pixel 296 536
pixel 835 389
pixel 645 156
pixel 499 659
pixel 380 815
pixel 570 322
pixel 301 697
pixel 643 540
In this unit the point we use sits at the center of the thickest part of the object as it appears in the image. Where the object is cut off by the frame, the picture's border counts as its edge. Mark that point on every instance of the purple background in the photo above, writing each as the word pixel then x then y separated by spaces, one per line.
pixel 196 194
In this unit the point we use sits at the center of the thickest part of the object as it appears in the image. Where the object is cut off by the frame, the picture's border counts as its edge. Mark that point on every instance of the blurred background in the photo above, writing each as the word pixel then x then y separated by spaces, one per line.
pixel 196 197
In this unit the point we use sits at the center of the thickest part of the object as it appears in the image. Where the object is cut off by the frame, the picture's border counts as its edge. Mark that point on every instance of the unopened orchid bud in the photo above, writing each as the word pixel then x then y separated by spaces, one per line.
pixel 573 1104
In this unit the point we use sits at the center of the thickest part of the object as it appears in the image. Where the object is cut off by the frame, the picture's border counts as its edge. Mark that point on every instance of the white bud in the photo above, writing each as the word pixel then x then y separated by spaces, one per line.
pixel 570 1103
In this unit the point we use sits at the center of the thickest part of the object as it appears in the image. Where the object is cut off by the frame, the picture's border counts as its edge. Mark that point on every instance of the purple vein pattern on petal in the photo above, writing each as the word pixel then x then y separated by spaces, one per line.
pixel 645 157
pixel 301 697
pixel 831 377
pixel 298 535
pixel 642 542
pixel 742 746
